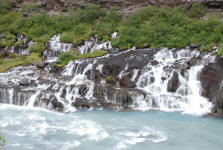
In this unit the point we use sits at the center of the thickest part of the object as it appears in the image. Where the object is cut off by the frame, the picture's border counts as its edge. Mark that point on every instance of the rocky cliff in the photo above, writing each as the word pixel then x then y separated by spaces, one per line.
pixel 119 4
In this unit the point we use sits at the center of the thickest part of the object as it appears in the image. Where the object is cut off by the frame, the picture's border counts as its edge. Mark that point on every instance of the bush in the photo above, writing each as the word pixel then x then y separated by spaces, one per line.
pixel 66 57
pixel 92 12
pixel 197 10
pixel 5 6
pixel 220 51
pixel 67 37
pixel 37 48
pixel 30 6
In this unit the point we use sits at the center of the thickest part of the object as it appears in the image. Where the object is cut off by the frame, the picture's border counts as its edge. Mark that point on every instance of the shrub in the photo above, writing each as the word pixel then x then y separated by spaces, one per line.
pixel 67 37
pixel 92 12
pixel 65 57
pixel 197 10
pixel 37 48
pixel 30 6
pixel 220 51
pixel 5 6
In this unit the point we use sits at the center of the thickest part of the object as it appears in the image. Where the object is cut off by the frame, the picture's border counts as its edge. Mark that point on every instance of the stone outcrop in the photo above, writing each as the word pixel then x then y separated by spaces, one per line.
pixel 123 5
pixel 173 83
pixel 211 79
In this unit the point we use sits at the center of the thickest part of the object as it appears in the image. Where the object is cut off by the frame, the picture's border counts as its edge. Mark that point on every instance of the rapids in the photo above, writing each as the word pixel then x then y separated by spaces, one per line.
pixel 37 129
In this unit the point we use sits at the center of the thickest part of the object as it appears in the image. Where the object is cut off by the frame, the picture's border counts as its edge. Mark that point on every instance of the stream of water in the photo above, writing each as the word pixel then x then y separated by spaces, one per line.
pixel 37 129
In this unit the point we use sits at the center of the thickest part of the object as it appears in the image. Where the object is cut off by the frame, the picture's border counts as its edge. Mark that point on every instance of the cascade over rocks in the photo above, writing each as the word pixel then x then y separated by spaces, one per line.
pixel 142 79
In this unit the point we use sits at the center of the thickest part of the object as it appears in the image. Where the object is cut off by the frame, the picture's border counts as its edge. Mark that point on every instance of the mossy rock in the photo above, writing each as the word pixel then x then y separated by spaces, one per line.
pixel 19 44
pixel 110 79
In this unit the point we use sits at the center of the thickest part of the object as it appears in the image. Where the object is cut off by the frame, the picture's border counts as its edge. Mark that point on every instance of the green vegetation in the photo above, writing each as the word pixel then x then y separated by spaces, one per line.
pixel 168 27
pixel 220 51
pixel 156 27
pixel 2 141
pixel 37 48
pixel 65 57
pixel 30 6
pixel 7 63
pixel 109 78
pixel 5 6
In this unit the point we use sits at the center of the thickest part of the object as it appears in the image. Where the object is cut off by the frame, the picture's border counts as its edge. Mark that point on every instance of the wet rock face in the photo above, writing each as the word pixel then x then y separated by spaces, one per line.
pixel 212 82
pixel 173 83
pixel 213 3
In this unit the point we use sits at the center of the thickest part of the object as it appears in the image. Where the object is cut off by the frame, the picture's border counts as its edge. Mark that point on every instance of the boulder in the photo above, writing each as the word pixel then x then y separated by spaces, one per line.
pixel 2 35
pixel 83 89
pixel 173 83
pixel 126 82
pixel 24 82
pixel 59 106
pixel 211 81
pixel 40 65
pixel 81 103
pixel 194 46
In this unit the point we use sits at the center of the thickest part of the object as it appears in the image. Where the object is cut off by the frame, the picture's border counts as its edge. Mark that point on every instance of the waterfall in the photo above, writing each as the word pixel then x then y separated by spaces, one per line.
pixel 54 47
pixel 155 78
pixel 164 79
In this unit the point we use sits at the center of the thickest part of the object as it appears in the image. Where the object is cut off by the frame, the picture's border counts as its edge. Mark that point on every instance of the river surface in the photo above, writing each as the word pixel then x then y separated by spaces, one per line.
pixel 37 129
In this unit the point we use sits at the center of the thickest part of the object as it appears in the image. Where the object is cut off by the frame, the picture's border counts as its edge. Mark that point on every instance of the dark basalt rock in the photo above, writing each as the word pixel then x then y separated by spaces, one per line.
pixel 4 53
pixel 126 82
pixel 83 89
pixel 57 105
pixel 81 103
pixel 211 79
pixel 173 83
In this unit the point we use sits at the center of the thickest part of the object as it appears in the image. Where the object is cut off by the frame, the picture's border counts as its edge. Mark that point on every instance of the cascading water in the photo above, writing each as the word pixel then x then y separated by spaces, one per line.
pixel 134 79
pixel 54 48
pixel 187 98
pixel 94 44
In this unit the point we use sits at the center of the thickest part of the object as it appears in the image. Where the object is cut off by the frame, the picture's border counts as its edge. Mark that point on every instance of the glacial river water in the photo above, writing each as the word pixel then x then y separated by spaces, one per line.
pixel 37 129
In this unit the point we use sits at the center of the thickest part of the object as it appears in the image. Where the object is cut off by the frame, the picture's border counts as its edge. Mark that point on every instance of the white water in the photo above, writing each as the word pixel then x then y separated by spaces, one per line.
pixel 152 79
pixel 187 98
pixel 36 129
pixel 54 48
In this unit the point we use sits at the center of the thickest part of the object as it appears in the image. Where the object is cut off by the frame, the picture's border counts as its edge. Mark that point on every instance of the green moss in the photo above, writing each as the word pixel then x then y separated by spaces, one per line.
pixel 30 6
pixel 7 63
pixel 109 78
pixel 220 51
pixel 66 57
pixel 19 43
pixel 37 48
pixel 106 38
pixel 206 47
